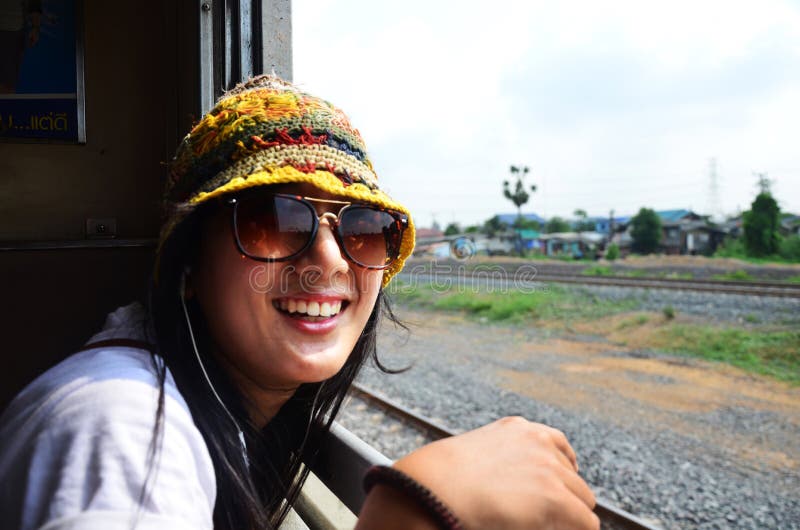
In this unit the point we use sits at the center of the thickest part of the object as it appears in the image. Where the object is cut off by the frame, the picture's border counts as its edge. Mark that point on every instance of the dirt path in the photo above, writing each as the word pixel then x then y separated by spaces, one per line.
pixel 754 419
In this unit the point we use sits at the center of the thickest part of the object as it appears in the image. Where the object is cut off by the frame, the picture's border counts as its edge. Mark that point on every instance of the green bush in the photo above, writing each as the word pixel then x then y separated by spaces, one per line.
pixel 761 226
pixel 789 248
pixel 731 248
pixel 669 312
pixel 645 231
pixel 613 252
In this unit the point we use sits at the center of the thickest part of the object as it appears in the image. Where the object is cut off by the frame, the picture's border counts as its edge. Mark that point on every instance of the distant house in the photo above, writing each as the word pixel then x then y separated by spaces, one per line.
pixel 577 245
pixel 790 224
pixel 733 226
pixel 429 242
pixel 687 232
pixel 530 239
pixel 510 218
pixel 428 233
pixel 682 232
pixel 603 224
pixel 677 216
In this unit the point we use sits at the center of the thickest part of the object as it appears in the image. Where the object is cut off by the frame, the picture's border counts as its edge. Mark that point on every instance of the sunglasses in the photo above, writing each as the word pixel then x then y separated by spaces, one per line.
pixel 279 227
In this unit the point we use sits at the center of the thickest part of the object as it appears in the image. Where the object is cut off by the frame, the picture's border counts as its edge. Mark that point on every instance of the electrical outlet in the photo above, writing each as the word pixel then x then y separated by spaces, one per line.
pixel 104 228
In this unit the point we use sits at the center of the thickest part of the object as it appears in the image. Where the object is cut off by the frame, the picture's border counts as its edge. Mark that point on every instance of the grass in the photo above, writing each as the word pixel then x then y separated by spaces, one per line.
pixel 598 270
pixel 554 303
pixel 794 279
pixel 773 353
pixel 738 275
pixel 604 270
pixel 765 351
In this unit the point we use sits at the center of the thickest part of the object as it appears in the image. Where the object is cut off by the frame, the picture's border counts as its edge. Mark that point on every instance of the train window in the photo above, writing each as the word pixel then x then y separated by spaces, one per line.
pixel 653 195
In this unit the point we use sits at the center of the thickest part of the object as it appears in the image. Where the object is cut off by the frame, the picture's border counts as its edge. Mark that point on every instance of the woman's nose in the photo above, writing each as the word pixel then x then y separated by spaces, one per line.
pixel 324 255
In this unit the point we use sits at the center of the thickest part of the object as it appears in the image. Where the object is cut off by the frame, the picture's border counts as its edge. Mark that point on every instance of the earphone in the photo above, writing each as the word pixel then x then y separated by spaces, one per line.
pixel 182 292
pixel 182 282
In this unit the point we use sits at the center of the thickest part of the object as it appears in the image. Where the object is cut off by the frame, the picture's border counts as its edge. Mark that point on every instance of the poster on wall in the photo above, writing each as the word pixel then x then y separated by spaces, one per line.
pixel 41 70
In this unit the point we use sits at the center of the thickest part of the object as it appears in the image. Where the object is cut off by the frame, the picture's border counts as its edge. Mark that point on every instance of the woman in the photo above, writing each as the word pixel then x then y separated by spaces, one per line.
pixel 266 297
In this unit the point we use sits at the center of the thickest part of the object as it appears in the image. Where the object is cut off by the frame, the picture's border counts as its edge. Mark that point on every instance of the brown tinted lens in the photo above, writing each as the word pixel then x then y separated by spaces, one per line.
pixel 370 237
pixel 273 227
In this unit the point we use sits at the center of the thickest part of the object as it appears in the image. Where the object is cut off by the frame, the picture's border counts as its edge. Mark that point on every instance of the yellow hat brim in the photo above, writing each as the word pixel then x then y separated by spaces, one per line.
pixel 329 183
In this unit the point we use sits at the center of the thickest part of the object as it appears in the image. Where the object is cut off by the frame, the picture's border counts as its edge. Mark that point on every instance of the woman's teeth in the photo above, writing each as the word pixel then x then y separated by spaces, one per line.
pixel 310 308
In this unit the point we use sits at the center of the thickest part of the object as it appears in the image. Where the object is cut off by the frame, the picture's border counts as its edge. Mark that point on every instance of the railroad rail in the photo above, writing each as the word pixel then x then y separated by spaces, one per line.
pixel 611 517
pixel 749 288
pixel 532 274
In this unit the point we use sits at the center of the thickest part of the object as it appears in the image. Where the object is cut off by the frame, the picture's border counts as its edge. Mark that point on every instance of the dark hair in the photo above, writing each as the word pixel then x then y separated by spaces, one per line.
pixel 258 496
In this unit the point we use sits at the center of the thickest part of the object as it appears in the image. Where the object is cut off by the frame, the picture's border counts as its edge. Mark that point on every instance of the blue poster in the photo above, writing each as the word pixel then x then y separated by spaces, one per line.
pixel 39 89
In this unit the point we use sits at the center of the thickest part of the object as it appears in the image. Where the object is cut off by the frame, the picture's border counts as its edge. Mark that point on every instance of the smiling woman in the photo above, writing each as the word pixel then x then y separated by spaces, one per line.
pixel 198 408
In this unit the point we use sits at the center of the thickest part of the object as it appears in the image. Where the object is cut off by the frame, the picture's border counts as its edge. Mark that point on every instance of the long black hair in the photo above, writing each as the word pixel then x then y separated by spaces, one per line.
pixel 258 493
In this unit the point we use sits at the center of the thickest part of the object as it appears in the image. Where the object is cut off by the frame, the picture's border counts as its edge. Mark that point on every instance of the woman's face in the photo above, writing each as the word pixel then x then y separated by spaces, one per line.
pixel 259 314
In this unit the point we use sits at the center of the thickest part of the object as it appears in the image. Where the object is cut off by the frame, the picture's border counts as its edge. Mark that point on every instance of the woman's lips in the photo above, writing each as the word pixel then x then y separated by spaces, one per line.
pixel 311 308
pixel 319 315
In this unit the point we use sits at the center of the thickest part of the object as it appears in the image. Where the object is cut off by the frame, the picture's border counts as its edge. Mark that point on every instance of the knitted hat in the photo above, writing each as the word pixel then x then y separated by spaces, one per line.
pixel 266 131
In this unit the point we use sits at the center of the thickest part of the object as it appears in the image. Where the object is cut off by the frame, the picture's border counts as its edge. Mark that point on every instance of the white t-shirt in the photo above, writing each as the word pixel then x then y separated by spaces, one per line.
pixel 74 445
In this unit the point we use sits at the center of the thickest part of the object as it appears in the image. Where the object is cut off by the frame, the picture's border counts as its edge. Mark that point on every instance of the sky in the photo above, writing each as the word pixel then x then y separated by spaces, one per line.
pixel 612 105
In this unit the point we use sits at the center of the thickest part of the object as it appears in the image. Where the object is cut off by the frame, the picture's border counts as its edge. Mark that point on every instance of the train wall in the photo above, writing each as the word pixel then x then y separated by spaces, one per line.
pixel 140 91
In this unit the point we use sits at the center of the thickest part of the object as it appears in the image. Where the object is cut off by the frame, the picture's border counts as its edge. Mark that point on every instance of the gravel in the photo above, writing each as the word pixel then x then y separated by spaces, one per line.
pixel 715 307
pixel 664 477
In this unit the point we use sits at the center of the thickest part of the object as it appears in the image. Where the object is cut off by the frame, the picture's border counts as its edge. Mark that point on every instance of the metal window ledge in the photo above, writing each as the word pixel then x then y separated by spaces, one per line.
pixel 8 246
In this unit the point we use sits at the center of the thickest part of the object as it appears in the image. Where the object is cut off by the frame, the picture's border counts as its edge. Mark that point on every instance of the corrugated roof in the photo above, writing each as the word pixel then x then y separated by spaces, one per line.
pixel 673 215
pixel 509 218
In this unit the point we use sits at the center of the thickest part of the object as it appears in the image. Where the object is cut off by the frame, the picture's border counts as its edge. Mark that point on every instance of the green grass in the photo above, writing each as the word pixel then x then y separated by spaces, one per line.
pixel 738 275
pixel 793 279
pixel 638 320
pixel 603 270
pixel 773 353
pixel 763 351
pixel 513 306
pixel 735 249
pixel 597 270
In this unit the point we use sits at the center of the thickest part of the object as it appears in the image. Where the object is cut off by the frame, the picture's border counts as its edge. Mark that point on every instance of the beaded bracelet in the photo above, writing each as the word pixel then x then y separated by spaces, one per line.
pixel 425 497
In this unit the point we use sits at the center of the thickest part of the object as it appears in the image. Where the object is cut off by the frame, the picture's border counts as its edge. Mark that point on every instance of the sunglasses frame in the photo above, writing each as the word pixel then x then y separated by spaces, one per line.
pixel 333 221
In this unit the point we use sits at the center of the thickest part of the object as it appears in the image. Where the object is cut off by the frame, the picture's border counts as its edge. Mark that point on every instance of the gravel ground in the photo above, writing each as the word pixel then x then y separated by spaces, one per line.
pixel 727 308
pixel 670 478
pixel 716 307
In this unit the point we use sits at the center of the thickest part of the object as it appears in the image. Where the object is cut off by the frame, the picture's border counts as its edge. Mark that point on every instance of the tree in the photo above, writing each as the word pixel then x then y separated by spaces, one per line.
pixel 556 224
pixel 582 223
pixel 761 225
pixel 526 224
pixel 494 225
pixel 520 195
pixel 452 229
pixel 645 231
pixel 613 252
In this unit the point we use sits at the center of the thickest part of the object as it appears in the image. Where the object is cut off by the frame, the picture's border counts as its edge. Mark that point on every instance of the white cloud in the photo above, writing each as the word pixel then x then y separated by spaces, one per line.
pixel 612 104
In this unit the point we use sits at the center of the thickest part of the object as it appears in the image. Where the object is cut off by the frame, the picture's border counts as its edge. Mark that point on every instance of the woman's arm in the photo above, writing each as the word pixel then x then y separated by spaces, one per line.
pixel 509 474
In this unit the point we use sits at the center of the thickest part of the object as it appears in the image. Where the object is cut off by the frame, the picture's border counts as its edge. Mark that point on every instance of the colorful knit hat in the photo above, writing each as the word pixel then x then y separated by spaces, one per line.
pixel 266 131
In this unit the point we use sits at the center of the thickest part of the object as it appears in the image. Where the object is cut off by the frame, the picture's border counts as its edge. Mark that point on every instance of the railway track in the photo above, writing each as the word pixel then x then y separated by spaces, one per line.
pixel 529 274
pixel 611 517
pixel 749 288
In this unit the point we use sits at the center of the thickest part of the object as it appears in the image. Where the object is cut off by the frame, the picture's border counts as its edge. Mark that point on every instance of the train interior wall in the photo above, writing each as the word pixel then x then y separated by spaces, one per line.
pixel 139 72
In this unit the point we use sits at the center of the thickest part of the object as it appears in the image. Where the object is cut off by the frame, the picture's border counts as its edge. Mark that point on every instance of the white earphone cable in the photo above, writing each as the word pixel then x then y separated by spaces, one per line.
pixel 208 380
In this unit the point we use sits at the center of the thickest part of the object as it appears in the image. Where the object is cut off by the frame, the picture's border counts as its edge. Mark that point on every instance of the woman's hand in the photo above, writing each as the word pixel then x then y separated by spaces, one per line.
pixel 509 474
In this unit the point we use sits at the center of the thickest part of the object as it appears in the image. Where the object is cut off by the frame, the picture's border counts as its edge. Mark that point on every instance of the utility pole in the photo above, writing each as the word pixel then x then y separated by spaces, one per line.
pixel 713 190
pixel 764 183
pixel 610 226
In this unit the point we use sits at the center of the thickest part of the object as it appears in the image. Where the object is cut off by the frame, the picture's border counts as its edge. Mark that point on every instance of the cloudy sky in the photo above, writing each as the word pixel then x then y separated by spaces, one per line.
pixel 612 105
